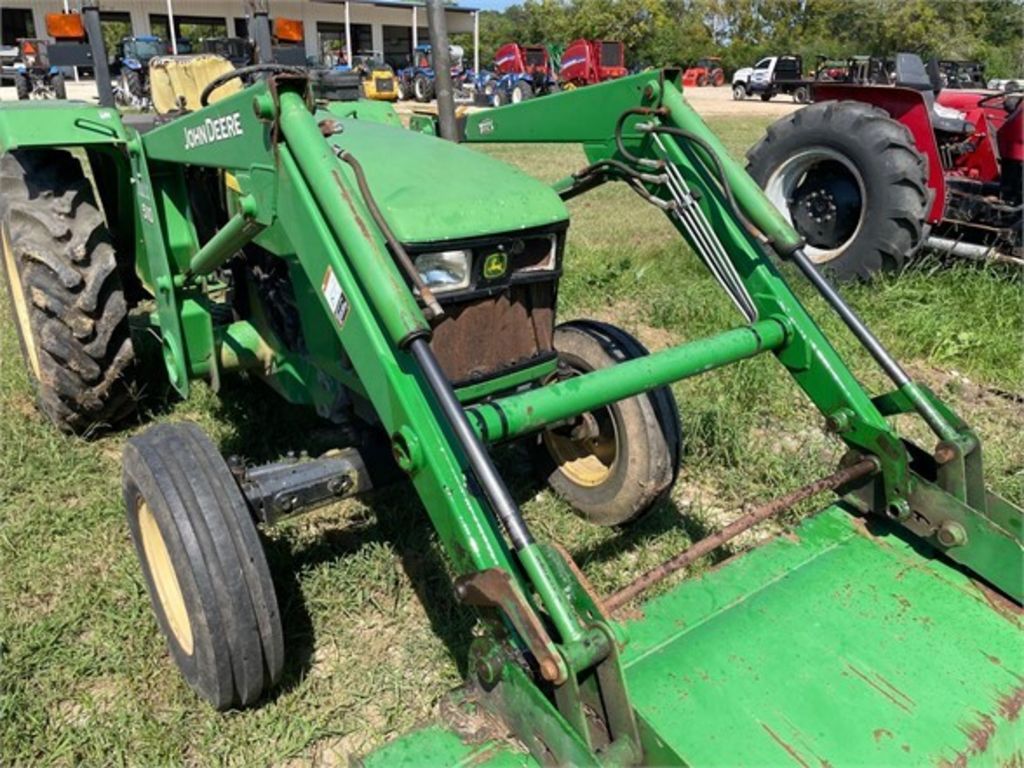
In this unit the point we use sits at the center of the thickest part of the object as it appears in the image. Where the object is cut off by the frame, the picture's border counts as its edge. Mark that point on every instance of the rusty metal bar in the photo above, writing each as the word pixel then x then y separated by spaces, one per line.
pixel 705 546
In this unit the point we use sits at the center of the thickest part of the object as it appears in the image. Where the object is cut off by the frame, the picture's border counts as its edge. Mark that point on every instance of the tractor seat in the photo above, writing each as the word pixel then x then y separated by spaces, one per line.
pixel 176 82
pixel 911 73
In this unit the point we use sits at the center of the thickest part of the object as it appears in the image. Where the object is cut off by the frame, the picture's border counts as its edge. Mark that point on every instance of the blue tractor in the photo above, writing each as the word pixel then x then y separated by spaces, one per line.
pixel 416 81
pixel 132 60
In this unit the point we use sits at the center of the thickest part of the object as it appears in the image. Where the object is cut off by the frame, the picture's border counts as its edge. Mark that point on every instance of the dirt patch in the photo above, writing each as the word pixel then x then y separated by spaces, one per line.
pixel 718 102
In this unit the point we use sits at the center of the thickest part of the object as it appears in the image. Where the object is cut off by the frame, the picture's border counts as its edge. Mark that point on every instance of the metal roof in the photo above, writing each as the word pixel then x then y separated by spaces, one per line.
pixel 401 4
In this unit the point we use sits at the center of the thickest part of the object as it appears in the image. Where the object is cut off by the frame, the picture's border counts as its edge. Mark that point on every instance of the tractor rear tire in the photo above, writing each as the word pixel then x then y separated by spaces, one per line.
pixel 615 476
pixel 133 85
pixel 521 92
pixel 203 564
pixel 423 88
pixel 65 291
pixel 60 91
pixel 837 160
pixel 23 86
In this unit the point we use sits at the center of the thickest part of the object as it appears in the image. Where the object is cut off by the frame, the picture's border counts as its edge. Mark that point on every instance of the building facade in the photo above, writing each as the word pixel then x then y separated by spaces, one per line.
pixel 332 28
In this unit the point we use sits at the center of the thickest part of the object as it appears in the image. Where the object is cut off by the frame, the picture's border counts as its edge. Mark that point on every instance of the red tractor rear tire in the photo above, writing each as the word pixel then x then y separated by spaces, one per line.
pixel 851 180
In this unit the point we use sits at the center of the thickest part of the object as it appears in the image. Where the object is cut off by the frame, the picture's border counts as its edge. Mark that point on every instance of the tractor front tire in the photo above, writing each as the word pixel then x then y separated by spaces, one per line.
pixel 617 462
pixel 203 564
pixel 65 291
pixel 851 181
pixel 23 86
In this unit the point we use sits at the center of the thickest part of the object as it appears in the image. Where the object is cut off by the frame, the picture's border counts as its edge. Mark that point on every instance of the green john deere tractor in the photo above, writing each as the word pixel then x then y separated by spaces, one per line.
pixel 271 232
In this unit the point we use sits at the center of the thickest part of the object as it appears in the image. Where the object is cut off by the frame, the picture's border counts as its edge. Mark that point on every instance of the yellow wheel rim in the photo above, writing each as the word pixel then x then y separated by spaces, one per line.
pixel 161 570
pixel 587 462
pixel 20 305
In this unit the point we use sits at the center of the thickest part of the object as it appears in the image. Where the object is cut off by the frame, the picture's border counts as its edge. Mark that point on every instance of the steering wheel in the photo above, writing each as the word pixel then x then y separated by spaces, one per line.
pixel 204 97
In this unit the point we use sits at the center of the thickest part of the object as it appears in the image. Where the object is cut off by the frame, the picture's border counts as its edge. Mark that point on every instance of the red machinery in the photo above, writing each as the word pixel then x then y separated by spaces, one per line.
pixel 516 59
pixel 707 71
pixel 586 62
pixel 868 174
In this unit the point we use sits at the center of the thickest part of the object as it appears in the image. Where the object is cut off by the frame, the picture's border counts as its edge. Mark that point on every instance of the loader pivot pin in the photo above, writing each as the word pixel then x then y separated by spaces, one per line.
pixel 705 546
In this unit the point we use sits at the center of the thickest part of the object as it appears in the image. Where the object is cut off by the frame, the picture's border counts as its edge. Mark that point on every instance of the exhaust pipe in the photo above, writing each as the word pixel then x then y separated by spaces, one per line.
pixel 971 251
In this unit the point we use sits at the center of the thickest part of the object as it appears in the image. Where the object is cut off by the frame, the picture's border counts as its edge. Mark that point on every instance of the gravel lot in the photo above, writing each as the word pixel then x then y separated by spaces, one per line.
pixel 709 102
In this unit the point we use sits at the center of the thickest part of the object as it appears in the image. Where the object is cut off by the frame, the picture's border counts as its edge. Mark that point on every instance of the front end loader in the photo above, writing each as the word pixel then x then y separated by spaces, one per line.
pixel 290 238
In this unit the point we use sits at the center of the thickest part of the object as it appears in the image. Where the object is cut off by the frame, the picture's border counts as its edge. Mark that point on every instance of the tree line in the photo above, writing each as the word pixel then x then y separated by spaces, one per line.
pixel 676 32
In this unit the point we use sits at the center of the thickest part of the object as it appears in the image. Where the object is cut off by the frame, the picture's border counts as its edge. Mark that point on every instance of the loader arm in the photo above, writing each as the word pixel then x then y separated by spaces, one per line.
pixel 549 658
pixel 640 130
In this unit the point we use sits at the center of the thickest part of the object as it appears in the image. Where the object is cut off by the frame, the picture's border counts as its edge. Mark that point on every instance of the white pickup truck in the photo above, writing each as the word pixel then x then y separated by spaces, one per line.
pixel 770 76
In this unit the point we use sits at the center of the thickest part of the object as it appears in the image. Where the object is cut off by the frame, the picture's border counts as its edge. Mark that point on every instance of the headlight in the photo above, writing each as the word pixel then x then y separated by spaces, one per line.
pixel 445 271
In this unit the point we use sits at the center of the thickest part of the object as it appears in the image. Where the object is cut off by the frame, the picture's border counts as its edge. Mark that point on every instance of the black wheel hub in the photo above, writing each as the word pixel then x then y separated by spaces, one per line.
pixel 826 205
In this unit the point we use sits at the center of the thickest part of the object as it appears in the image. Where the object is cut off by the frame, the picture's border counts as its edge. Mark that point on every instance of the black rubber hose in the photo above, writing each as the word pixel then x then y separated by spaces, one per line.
pixel 434 309
pixel 723 180
pixel 719 170
pixel 254 69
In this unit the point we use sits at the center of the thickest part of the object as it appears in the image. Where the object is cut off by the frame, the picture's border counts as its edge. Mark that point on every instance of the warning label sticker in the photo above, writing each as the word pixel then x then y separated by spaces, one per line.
pixel 336 299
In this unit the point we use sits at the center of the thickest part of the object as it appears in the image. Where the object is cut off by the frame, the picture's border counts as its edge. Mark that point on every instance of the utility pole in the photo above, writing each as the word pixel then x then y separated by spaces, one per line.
pixel 259 30
pixel 442 68
pixel 100 67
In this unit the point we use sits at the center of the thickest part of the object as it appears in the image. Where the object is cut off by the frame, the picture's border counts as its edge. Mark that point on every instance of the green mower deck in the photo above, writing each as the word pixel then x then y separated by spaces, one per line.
pixel 837 644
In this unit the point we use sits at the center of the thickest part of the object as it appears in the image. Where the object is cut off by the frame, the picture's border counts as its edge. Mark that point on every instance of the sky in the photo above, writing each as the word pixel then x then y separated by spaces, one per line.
pixel 488 5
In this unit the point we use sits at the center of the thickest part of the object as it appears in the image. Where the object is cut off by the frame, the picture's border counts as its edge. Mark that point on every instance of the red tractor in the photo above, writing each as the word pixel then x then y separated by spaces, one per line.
pixel 869 174
pixel 707 71
pixel 586 62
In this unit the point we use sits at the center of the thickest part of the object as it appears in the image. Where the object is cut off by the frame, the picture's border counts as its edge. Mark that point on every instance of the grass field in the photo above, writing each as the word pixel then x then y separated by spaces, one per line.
pixel 374 639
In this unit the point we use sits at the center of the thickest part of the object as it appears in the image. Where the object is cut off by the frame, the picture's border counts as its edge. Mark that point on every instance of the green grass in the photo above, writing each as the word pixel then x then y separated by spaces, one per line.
pixel 374 637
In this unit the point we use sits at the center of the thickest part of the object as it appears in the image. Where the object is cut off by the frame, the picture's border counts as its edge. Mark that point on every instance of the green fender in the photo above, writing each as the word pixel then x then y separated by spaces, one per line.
pixel 58 123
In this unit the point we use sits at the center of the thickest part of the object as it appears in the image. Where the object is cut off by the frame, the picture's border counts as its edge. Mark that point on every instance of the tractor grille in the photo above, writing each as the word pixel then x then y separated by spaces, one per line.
pixel 497 334
pixel 504 318
pixel 384 84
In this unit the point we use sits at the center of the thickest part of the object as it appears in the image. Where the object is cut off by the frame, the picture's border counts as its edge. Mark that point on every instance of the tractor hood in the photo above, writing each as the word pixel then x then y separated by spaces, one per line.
pixel 431 190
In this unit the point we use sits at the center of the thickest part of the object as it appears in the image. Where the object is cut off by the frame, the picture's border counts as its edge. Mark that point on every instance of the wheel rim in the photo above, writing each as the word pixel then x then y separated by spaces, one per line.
pixel 20 305
pixel 589 461
pixel 161 570
pixel 517 95
pixel 821 193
